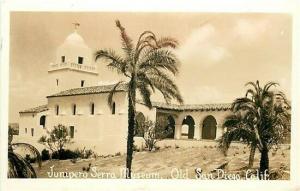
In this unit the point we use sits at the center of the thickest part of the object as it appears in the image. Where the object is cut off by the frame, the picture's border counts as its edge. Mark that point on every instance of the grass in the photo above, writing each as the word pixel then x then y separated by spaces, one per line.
pixel 163 161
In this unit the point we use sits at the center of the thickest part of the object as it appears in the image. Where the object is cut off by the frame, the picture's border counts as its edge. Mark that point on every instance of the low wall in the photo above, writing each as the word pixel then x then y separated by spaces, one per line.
pixel 188 143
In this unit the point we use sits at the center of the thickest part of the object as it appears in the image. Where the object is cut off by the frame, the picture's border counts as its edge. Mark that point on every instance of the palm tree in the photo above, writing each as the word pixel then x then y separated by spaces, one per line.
pixel 18 166
pixel 260 119
pixel 148 66
pixel 238 129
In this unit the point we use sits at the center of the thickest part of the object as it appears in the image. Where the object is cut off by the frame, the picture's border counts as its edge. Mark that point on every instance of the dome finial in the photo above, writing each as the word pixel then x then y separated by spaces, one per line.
pixel 76 25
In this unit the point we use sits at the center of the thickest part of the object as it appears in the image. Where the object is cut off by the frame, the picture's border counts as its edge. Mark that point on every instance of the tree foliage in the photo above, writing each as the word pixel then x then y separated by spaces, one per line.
pixel 57 138
pixel 149 66
pixel 261 117
pixel 153 132
pixel 18 166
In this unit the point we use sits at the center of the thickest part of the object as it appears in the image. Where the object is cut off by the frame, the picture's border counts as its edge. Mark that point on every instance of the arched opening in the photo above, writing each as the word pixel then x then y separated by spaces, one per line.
pixel 113 111
pixel 92 108
pixel 43 120
pixel 74 109
pixel 140 119
pixel 209 129
pixel 171 127
pixel 188 126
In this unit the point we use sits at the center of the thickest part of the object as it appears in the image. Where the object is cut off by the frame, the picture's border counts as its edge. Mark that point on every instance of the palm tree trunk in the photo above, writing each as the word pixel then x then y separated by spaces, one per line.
pixel 252 154
pixel 131 124
pixel 264 163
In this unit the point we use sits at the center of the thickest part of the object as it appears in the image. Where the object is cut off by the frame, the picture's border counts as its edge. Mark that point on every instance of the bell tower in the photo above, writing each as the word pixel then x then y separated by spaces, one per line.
pixel 74 66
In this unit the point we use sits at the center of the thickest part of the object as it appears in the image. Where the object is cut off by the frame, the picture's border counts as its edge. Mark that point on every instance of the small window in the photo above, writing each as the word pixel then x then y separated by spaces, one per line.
pixel 43 120
pixel 113 111
pixel 32 132
pixel 80 60
pixel 82 83
pixel 74 109
pixel 56 82
pixel 25 130
pixel 63 59
pixel 72 131
pixel 57 109
pixel 92 108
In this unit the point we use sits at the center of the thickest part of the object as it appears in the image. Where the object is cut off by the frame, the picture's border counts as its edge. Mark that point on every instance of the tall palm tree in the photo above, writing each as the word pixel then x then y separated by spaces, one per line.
pixel 263 119
pixel 238 129
pixel 148 66
pixel 18 166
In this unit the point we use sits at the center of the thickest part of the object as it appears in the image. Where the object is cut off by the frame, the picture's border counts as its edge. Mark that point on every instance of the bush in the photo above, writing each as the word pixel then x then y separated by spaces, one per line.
pixel 45 155
pixel 84 153
pixel 65 154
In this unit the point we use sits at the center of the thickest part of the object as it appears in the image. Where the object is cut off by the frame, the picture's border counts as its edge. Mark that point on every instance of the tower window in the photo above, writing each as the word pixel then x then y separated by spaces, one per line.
pixel 82 83
pixel 56 82
pixel 25 130
pixel 80 60
pixel 113 111
pixel 74 109
pixel 92 108
pixel 63 59
pixel 57 109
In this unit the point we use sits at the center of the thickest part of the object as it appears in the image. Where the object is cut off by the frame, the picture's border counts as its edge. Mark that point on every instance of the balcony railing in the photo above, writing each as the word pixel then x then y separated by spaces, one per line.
pixel 73 66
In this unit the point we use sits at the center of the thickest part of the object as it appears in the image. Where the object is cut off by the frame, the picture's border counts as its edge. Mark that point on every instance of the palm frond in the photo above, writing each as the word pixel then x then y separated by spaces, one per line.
pixel 159 58
pixel 31 149
pixel 115 61
pixel 145 93
pixel 18 167
pixel 111 94
pixel 167 42
pixel 165 85
pixel 236 134
pixel 127 44
pixel 269 85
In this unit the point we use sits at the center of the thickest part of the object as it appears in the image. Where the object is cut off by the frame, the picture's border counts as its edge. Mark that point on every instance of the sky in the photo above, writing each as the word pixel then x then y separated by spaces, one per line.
pixel 218 52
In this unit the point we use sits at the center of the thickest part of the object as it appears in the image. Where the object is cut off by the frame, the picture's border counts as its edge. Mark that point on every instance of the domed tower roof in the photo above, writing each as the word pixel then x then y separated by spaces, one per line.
pixel 75 39
pixel 74 50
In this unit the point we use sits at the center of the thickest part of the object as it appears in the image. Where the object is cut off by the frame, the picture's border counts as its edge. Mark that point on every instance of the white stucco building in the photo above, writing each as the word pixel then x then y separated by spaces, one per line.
pixel 80 103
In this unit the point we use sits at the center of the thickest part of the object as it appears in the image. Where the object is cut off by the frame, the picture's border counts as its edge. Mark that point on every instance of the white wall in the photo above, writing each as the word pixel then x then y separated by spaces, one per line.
pixel 68 79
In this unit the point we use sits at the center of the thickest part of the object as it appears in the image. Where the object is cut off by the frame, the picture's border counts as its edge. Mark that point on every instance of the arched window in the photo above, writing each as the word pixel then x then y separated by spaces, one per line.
pixel 171 127
pixel 209 129
pixel 92 108
pixel 113 111
pixel 74 109
pixel 188 126
pixel 57 109
pixel 43 120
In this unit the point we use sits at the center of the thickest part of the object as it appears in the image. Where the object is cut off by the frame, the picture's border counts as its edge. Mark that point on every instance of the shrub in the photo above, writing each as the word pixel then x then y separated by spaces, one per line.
pixel 65 154
pixel 176 147
pixel 153 132
pixel 118 154
pixel 56 139
pixel 84 154
pixel 45 154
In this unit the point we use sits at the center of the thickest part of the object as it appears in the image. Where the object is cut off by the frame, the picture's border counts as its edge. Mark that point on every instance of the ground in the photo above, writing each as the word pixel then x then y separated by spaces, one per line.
pixel 172 163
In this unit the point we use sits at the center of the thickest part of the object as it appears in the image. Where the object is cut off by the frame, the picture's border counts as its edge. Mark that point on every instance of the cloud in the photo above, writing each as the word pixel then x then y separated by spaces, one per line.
pixel 201 47
pixel 250 30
